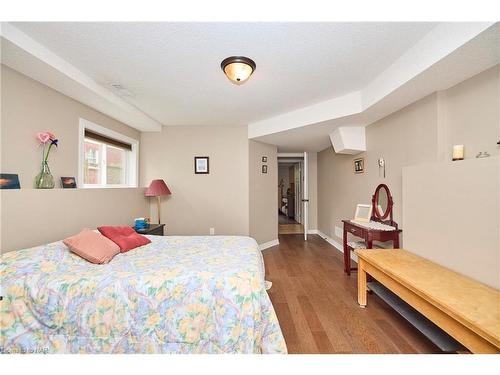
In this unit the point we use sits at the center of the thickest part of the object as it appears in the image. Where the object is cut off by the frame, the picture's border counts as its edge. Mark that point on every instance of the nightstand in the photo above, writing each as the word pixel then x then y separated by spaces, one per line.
pixel 152 229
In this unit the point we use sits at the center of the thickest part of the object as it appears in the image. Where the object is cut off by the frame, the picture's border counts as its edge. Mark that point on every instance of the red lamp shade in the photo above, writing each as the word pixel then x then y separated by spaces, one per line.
pixel 157 188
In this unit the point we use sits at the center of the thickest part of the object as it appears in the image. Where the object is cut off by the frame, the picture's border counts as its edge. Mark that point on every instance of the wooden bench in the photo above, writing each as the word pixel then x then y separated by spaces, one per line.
pixel 465 309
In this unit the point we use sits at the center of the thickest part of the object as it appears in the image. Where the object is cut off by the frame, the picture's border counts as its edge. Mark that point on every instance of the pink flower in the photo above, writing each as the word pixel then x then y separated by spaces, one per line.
pixel 43 138
pixel 52 136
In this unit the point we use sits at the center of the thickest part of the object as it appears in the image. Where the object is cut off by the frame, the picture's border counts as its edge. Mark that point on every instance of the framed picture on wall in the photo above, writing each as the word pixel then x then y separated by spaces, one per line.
pixel 201 165
pixel 264 169
pixel 359 165
pixel 9 181
pixel 68 182
pixel 264 159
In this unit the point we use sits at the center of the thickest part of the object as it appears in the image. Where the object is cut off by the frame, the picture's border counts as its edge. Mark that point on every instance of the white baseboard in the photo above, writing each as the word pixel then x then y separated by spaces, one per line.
pixel 336 245
pixel 269 244
pixel 331 241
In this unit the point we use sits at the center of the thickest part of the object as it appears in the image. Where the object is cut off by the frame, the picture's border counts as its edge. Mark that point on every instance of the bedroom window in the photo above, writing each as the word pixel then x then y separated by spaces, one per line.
pixel 107 158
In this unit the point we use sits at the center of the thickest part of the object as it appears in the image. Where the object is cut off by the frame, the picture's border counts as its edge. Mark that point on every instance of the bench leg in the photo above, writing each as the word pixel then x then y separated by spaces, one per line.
pixel 361 283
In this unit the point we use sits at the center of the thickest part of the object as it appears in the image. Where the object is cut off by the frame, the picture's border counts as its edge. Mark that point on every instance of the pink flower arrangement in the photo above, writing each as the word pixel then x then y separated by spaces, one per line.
pixel 43 139
pixel 45 180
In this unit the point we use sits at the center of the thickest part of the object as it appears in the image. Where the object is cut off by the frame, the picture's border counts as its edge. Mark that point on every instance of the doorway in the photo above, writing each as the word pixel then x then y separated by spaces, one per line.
pixel 291 193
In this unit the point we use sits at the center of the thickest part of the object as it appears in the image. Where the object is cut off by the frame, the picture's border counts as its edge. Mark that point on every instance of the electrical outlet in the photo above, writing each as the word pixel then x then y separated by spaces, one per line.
pixel 212 231
pixel 339 232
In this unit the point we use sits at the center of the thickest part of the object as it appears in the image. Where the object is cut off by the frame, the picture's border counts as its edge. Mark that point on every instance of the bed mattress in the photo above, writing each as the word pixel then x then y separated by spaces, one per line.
pixel 178 294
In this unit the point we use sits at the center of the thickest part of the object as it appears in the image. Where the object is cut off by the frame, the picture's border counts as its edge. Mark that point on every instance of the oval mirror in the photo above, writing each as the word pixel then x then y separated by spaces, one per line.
pixel 382 202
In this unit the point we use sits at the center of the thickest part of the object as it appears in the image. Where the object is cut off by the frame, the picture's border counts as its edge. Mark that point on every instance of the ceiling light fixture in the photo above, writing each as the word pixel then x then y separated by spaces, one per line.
pixel 238 68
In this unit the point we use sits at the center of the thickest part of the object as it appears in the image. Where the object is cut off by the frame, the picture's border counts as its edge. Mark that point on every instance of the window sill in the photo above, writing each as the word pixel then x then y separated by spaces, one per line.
pixel 72 189
pixel 108 187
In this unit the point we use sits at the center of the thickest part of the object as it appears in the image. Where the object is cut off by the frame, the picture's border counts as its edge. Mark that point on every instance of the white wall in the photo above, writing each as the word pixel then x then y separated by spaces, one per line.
pixel 406 137
pixel 448 211
pixel 471 114
pixel 263 211
pixel 451 212
pixel 29 107
pixel 199 201
pixel 32 217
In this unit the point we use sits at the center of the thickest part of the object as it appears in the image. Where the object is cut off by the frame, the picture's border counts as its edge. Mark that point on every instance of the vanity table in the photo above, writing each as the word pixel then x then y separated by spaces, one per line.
pixel 381 227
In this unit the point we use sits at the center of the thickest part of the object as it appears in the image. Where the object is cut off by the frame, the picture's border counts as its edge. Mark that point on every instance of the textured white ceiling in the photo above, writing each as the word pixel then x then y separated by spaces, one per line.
pixel 173 69
pixel 478 54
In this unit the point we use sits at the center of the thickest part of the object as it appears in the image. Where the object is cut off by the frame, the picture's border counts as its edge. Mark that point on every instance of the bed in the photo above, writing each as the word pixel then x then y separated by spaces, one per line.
pixel 196 294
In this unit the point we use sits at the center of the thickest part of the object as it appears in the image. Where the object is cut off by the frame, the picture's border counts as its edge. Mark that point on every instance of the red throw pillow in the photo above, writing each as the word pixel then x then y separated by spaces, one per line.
pixel 125 237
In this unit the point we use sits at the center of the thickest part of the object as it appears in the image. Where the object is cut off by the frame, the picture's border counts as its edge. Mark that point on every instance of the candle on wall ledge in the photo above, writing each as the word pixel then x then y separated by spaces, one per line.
pixel 458 152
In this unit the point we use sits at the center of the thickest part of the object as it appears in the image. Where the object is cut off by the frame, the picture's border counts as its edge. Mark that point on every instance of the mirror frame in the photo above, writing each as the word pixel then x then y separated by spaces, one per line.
pixel 376 215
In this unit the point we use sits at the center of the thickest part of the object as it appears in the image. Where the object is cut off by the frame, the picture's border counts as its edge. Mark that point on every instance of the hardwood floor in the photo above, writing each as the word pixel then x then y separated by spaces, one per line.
pixel 288 225
pixel 317 309
pixel 290 229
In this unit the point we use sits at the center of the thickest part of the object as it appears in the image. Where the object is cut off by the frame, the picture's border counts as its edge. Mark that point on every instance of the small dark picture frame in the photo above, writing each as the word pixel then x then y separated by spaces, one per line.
pixel 201 165
pixel 264 168
pixel 68 182
pixel 359 165
pixel 264 159
pixel 9 181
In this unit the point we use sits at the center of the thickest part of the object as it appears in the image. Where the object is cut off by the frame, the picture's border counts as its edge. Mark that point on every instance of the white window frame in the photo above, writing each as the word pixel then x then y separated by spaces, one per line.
pixel 131 162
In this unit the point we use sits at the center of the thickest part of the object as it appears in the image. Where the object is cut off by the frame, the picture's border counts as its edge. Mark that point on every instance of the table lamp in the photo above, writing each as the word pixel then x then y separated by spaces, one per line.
pixel 157 188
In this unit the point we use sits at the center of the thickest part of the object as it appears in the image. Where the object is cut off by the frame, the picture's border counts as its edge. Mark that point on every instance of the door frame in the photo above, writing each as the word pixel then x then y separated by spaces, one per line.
pixel 305 194
pixel 305 187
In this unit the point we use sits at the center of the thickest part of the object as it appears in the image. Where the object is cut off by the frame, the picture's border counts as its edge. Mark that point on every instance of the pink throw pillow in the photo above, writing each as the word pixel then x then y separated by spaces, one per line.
pixel 92 246
pixel 124 236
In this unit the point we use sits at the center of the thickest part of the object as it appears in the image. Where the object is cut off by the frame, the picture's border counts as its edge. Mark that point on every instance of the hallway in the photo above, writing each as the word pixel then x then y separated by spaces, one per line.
pixel 289 226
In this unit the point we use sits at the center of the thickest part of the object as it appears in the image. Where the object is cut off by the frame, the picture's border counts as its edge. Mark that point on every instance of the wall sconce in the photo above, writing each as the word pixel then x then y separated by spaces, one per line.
pixel 458 152
pixel 381 167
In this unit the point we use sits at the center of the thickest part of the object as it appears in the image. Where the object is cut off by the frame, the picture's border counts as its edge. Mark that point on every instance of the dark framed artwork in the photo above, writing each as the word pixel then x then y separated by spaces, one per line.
pixel 264 159
pixel 9 181
pixel 264 168
pixel 201 165
pixel 68 182
pixel 359 165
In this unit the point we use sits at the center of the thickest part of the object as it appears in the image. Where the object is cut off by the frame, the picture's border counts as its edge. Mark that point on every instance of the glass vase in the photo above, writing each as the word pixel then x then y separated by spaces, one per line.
pixel 44 180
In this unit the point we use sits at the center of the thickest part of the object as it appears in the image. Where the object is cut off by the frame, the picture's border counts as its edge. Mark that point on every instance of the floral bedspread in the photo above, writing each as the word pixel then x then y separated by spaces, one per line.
pixel 176 295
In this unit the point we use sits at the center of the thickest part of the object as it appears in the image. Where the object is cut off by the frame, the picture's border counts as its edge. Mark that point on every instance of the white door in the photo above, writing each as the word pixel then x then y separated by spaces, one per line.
pixel 305 199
